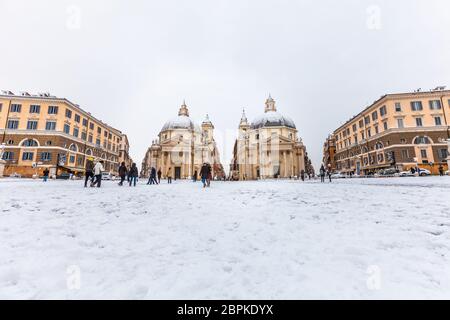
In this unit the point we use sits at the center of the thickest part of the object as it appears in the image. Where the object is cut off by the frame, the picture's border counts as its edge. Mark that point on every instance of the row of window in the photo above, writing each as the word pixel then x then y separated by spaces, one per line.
pixel 27 156
pixel 36 109
pixel 51 126
pixel 415 106
pixel 405 155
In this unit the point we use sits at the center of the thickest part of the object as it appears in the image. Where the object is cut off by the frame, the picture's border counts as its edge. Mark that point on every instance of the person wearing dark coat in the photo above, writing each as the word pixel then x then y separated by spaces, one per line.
pixel 169 175
pixel 204 174
pixel 152 178
pixel 209 178
pixel 89 169
pixel 46 173
pixel 133 174
pixel 159 175
pixel 322 173
pixel 122 173
pixel 302 175
pixel 194 177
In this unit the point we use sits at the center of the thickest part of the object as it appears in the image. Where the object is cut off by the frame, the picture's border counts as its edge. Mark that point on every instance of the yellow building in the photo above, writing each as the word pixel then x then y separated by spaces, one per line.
pixel 183 146
pixel 269 147
pixel 398 131
pixel 124 151
pixel 43 131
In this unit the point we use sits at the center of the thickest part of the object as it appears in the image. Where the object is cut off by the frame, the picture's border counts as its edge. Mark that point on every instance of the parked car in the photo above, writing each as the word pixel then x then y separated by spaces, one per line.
pixel 15 175
pixel 63 176
pixel 406 174
pixel 107 176
pixel 387 173
pixel 338 175
pixel 424 172
pixel 446 173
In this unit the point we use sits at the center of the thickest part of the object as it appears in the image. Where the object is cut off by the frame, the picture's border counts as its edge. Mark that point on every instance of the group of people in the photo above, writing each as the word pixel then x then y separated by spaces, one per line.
pixel 155 177
pixel 323 173
pixel 94 172
pixel 132 174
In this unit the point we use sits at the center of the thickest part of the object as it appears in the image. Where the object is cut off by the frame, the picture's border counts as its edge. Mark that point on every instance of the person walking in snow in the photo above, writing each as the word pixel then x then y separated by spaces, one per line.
pixel 194 177
pixel 204 174
pixel 169 175
pixel 89 171
pixel 159 175
pixel 302 175
pixel 329 174
pixel 46 173
pixel 322 173
pixel 98 170
pixel 133 175
pixel 122 173
pixel 441 170
pixel 209 177
pixel 152 178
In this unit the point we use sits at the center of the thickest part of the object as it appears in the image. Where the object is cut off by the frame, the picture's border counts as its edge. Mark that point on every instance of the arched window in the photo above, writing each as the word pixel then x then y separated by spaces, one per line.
pixel 73 147
pixel 379 145
pixel 364 150
pixel 30 143
pixel 89 152
pixel 422 140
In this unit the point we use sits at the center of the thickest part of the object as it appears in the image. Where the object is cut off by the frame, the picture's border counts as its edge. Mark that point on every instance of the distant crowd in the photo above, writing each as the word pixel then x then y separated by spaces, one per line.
pixel 94 173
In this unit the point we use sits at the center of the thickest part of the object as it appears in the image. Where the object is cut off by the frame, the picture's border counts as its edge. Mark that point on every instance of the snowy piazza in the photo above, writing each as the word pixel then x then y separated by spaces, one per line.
pixel 352 239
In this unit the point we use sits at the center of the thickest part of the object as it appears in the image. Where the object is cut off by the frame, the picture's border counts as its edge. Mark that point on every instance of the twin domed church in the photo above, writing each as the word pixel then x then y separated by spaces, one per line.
pixel 267 147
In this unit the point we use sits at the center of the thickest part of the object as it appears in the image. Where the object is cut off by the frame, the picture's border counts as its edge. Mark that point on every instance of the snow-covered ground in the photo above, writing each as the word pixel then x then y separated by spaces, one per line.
pixel 374 238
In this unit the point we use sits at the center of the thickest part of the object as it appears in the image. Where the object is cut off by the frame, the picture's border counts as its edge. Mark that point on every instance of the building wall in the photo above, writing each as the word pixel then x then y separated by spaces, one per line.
pixel 390 127
pixel 74 144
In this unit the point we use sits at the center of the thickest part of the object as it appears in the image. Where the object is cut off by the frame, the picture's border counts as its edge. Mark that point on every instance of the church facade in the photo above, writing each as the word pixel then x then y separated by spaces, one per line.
pixel 268 147
pixel 182 147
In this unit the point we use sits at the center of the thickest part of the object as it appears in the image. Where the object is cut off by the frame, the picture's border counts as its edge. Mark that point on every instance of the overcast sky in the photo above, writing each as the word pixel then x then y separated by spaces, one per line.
pixel 131 63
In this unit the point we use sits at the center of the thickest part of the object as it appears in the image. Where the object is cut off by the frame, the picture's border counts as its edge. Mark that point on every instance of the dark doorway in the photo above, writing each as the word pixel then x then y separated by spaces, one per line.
pixel 177 173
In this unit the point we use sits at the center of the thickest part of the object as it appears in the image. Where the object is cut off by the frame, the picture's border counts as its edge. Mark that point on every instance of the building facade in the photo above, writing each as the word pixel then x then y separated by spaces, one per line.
pixel 183 146
pixel 43 131
pixel 398 131
pixel 268 147
pixel 329 153
pixel 124 151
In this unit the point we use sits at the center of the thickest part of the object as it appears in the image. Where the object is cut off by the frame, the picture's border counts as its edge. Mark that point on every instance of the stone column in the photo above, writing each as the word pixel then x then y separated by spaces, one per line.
pixel 292 163
pixel 285 164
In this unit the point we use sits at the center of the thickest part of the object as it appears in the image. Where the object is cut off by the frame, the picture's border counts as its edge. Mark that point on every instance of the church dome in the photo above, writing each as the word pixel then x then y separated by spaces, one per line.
pixel 272 118
pixel 182 121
